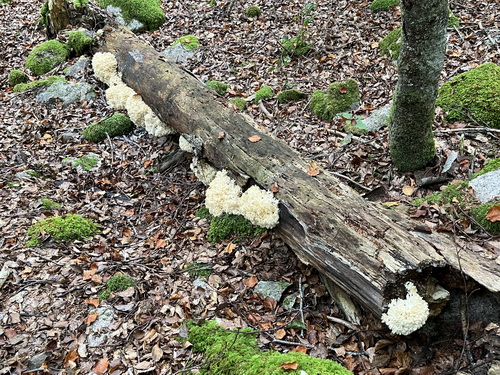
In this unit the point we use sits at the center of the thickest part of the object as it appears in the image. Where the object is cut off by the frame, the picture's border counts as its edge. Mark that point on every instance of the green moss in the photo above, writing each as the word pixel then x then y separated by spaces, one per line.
pixel 79 42
pixel 237 353
pixel 46 56
pixel 69 228
pixel 383 5
pixel 290 95
pixel 119 282
pixel 86 162
pixel 228 225
pixel 479 214
pixel 474 94
pixel 114 126
pixel 189 42
pixel 218 86
pixel 44 11
pixel 239 103
pixel 265 92
pixel 198 269
pixel 80 3
pixel 16 77
pixel 37 84
pixel 148 12
pixel 457 191
pixel 33 173
pixel 339 97
pixel 294 46
pixel 253 11
pixel 491 165
pixel 391 44
pixel 49 205
pixel 453 21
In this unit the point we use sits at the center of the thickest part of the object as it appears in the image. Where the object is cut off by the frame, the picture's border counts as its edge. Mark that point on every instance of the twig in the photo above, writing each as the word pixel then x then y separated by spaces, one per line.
pixel 301 303
pixel 112 150
pixel 343 322
pixel 351 181
pixel 469 130
pixel 265 111
pixel 283 342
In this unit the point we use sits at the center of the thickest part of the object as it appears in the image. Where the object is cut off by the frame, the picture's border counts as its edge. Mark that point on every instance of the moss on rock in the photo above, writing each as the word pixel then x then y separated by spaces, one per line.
pixel 46 56
pixel 475 94
pixel 189 42
pixel 16 77
pixel 290 95
pixel 491 165
pixel 265 92
pixel 218 86
pixel 79 42
pixel 20 87
pixel 69 228
pixel 253 11
pixel 114 126
pixel 339 97
pixel 383 5
pixel 147 12
pixel 239 103
pixel 479 214
pixel 237 353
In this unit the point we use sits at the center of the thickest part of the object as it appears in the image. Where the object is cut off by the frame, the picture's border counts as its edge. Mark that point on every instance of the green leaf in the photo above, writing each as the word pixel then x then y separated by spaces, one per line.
pixel 360 125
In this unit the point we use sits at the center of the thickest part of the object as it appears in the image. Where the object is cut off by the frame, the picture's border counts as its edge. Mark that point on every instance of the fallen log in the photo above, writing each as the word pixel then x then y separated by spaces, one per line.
pixel 366 251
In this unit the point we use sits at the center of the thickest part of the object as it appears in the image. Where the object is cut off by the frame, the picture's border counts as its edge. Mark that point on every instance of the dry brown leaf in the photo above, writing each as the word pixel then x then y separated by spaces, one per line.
pixel 94 302
pixel 70 359
pixel 251 281
pixel 300 349
pixel 101 366
pixel 254 138
pixel 275 188
pixel 391 204
pixel 91 319
pixel 408 190
pixel 230 248
pixel 221 135
pixel 493 214
pixel 289 365
pixel 156 353
pixel 280 333
pixel 313 169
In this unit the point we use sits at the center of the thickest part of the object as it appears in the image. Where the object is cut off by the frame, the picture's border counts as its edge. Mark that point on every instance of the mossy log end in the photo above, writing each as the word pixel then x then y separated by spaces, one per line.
pixel 367 251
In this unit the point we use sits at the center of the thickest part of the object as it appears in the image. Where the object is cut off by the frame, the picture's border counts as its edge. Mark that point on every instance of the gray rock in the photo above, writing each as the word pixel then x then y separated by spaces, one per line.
pixel 378 119
pixel 67 92
pixel 178 54
pixel 100 328
pixel 487 186
pixel 77 69
pixel 133 25
pixel 273 289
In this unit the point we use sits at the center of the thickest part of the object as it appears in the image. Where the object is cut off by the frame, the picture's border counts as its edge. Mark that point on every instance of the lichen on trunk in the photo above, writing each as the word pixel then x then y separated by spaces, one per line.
pixel 420 62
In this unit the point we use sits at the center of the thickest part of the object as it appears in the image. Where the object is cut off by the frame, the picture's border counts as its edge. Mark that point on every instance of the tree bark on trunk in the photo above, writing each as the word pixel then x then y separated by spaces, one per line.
pixel 58 17
pixel 367 251
pixel 420 63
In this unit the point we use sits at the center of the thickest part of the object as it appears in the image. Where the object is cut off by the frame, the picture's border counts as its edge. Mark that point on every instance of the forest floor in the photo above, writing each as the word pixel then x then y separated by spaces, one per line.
pixel 148 227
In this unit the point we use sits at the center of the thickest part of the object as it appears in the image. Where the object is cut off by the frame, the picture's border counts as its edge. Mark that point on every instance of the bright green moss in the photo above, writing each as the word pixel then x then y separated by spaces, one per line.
pixel 253 11
pixel 46 56
pixel 339 97
pixel 391 44
pixel 383 5
pixel 290 96
pixel 239 103
pixel 86 162
pixel 16 77
pixel 69 228
pixel 237 353
pixel 294 46
pixel 491 165
pixel 265 92
pixel 189 42
pixel 228 225
pixel 44 11
pixel 114 126
pixel 453 192
pixel 49 205
pixel 79 42
pixel 218 86
pixel 117 283
pixel 36 84
pixel 475 94
pixel 147 12
pixel 479 214
pixel 80 3
pixel 453 21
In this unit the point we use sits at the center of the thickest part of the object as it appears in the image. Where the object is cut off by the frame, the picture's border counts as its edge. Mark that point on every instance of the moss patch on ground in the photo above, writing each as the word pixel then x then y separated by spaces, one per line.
pixel 69 228
pixel 218 86
pixel 253 11
pixel 79 42
pixel 189 42
pixel 198 269
pixel 452 193
pixel 237 353
pixel 339 97
pixel 86 162
pixel 265 92
pixel 391 44
pixel 117 283
pixel 474 94
pixel 20 87
pixel 46 56
pixel 114 126
pixel 491 165
pixel 239 103
pixel 147 12
pixel 479 214
pixel 16 77
pixel 383 5
pixel 48 204
pixel 290 95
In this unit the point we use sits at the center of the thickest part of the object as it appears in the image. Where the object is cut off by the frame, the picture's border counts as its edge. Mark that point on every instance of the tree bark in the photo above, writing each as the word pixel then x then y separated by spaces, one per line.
pixel 420 63
pixel 367 251
pixel 58 17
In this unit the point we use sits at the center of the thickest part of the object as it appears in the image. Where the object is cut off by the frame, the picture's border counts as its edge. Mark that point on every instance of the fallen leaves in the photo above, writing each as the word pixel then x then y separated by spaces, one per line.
pixel 254 138
pixel 313 169
pixel 493 214
pixel 101 366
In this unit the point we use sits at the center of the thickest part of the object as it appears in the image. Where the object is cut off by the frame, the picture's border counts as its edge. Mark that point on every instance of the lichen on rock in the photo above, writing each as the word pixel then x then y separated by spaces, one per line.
pixel 339 97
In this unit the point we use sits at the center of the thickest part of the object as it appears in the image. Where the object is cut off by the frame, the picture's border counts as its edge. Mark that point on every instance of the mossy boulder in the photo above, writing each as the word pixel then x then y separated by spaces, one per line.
pixel 479 214
pixel 114 126
pixel 148 12
pixel 46 56
pixel 383 5
pixel 69 228
pixel 474 94
pixel 291 95
pixel 79 42
pixel 253 11
pixel 237 353
pixel 16 77
pixel 391 44
pixel 265 92
pixel 339 97
pixel 294 47
pixel 239 103
pixel 189 42
pixel 218 86
pixel 20 87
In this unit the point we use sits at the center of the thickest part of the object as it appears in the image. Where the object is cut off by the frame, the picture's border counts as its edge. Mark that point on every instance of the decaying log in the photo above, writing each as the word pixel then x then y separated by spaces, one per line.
pixel 368 252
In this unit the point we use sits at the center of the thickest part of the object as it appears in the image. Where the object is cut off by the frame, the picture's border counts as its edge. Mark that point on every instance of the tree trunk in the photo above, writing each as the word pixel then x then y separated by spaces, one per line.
pixel 367 251
pixel 420 63
pixel 58 17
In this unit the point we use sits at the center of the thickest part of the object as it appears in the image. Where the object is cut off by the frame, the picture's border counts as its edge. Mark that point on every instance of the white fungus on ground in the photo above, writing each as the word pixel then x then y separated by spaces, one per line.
pixel 405 316
pixel 260 207
pixel 222 195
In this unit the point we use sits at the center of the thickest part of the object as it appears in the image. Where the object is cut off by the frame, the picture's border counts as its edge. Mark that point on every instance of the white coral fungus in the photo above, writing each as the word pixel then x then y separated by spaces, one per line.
pixel 105 67
pixel 117 95
pixel 260 207
pixel 405 316
pixel 222 195
pixel 155 126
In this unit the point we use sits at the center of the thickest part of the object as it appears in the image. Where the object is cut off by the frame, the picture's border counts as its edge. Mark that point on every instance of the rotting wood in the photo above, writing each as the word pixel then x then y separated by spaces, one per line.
pixel 367 251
